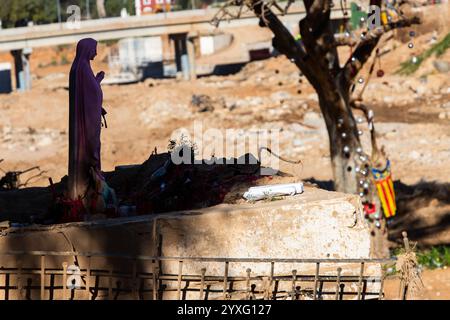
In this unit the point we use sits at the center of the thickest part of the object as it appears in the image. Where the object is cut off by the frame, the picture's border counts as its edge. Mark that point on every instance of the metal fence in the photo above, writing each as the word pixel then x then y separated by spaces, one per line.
pixel 34 276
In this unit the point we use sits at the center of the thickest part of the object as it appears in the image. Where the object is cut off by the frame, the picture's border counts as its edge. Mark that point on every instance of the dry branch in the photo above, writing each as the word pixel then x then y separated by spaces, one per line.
pixel 366 46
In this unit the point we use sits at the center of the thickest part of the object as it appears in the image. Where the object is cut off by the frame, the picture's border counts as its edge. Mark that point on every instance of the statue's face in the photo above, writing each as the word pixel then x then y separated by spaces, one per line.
pixel 94 54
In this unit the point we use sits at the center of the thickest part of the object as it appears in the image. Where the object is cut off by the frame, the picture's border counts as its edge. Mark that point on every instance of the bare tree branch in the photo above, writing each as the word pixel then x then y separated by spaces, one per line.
pixel 283 40
pixel 370 40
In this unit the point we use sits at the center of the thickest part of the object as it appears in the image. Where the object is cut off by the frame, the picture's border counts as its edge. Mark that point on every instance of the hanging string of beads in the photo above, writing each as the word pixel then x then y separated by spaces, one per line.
pixel 362 169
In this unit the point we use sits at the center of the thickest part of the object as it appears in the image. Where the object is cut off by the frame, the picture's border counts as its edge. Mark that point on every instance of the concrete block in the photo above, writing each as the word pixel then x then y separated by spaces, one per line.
pixel 316 224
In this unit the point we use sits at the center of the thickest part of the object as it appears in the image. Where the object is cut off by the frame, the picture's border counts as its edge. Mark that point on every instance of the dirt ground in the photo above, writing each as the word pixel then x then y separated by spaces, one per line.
pixel 412 115
pixel 436 286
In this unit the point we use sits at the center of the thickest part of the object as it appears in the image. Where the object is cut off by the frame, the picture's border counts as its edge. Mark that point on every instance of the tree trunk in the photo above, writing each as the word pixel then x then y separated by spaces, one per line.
pixel 101 8
pixel 343 139
pixel 350 165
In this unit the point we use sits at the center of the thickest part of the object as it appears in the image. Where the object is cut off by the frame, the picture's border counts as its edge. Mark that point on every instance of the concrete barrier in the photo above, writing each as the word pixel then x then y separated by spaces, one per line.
pixel 316 224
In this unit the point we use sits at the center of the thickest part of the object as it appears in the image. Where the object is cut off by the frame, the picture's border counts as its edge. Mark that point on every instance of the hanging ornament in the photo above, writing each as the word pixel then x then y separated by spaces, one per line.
pixel 412 33
pixel 358 149
pixel 366 185
pixel 360 80
pixel 361 194
pixel 362 158
pixel 414 59
pixel 378 224
pixel 360 132
pixel 343 135
pixel 369 209
pixel 410 45
pixel 357 168
pixel 380 72
pixel 346 149
pixel 359 120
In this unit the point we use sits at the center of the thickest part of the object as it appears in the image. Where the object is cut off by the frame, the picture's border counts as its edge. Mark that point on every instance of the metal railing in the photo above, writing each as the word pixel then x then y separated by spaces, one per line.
pixel 146 279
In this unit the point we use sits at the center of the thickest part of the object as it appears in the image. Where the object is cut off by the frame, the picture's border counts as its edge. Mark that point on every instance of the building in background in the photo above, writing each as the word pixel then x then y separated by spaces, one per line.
pixel 152 6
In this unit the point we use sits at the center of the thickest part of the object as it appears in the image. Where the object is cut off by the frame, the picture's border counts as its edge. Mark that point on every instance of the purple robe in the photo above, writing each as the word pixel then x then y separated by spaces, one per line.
pixel 85 112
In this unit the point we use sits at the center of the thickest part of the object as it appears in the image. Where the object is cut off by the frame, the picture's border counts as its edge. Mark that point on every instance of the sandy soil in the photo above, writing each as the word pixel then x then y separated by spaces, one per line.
pixel 436 286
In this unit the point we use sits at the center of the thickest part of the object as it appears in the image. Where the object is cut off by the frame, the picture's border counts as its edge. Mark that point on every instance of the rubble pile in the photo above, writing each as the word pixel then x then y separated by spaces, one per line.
pixel 158 185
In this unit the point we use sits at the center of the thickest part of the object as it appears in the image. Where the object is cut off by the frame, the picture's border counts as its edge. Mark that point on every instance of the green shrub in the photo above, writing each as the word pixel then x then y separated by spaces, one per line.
pixel 436 257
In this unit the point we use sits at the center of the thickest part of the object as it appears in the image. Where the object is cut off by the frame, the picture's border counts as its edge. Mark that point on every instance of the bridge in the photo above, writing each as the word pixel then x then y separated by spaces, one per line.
pixel 177 24
pixel 134 26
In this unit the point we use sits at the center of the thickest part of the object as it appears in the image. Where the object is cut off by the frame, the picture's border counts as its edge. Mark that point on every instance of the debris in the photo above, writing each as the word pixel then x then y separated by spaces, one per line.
pixel 4 225
pixel 280 95
pixel 204 103
pixel 441 66
pixel 270 191
pixel 11 179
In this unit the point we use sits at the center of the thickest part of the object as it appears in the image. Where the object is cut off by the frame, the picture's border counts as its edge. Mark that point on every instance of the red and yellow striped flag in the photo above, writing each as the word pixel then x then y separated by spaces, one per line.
pixel 385 188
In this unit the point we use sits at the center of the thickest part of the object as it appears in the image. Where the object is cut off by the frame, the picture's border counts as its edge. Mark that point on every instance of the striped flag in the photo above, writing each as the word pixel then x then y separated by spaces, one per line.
pixel 385 188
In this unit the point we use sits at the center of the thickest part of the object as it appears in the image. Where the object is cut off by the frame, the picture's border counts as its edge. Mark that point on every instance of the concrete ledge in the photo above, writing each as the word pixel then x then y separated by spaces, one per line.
pixel 314 225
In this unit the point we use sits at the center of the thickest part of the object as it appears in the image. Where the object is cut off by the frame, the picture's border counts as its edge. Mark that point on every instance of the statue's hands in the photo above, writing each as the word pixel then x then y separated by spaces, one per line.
pixel 99 77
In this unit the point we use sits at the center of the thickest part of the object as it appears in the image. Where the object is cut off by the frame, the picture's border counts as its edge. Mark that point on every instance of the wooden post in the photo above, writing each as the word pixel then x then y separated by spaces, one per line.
pixel 64 280
pixel 403 285
pixel 42 277
pixel 406 241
